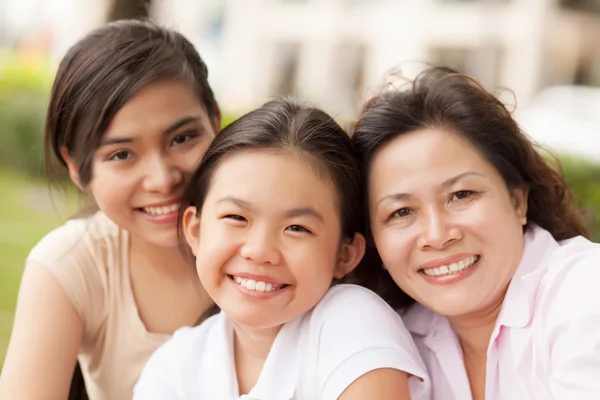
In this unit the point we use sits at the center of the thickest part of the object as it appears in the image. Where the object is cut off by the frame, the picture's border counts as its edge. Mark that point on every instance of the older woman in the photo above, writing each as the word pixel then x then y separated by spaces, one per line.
pixel 472 223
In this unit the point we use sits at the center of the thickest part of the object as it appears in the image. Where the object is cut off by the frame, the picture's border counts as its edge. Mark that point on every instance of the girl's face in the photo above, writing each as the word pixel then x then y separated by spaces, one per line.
pixel 446 226
pixel 268 240
pixel 154 142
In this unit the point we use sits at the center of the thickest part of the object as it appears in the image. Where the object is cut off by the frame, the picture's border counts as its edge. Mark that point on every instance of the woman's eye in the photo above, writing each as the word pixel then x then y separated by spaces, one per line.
pixel 120 155
pixel 182 138
pixel 297 228
pixel 235 217
pixel 401 213
pixel 461 195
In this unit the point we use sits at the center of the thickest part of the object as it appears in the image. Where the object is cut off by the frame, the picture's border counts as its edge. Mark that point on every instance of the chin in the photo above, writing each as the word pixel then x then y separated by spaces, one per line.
pixel 451 307
pixel 164 241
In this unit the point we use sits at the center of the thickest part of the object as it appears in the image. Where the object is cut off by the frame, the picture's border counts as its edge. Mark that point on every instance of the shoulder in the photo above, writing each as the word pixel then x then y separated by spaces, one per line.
pixel 350 307
pixel 352 298
pixel 80 255
pixel 573 267
pixel 175 366
pixel 569 289
pixel 187 343
pixel 77 238
pixel 353 331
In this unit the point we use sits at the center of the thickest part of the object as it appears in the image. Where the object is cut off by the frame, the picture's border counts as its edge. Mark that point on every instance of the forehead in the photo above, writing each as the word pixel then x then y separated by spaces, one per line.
pixel 273 179
pixel 426 156
pixel 155 106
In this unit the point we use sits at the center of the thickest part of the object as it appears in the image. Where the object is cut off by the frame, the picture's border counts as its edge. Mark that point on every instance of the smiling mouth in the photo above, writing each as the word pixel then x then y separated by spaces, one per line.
pixel 452 269
pixel 158 211
pixel 257 286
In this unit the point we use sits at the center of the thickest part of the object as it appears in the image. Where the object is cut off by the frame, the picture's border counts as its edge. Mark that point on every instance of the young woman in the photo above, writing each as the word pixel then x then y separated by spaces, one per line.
pixel 472 223
pixel 274 214
pixel 131 114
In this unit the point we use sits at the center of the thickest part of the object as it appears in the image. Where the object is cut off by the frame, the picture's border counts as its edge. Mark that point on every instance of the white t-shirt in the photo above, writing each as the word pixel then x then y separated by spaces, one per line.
pixel 317 356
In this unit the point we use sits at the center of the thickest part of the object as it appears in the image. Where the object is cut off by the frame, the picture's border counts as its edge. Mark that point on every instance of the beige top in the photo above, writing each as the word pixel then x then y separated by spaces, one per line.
pixel 90 259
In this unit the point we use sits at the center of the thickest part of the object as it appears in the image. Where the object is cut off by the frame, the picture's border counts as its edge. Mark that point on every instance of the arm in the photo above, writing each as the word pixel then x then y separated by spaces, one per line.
pixel 45 340
pixel 380 384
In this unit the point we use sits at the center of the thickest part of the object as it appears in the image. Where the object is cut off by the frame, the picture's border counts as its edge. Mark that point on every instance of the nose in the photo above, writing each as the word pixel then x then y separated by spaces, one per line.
pixel 437 230
pixel 261 247
pixel 161 175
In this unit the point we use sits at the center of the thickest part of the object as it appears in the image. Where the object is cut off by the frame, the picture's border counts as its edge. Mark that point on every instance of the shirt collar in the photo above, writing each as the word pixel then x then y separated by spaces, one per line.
pixel 219 381
pixel 280 373
pixel 278 377
pixel 519 302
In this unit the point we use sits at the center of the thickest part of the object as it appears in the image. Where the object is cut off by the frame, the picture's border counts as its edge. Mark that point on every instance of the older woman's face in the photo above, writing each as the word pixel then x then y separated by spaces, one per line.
pixel 447 228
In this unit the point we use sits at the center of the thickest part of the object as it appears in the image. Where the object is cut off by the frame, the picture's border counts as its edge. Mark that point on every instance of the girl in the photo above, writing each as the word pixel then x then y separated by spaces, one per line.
pixel 273 215
pixel 130 116
pixel 473 224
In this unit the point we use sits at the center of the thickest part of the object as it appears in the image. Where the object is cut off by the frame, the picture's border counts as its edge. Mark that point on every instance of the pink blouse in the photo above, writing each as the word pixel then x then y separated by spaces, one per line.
pixel 546 342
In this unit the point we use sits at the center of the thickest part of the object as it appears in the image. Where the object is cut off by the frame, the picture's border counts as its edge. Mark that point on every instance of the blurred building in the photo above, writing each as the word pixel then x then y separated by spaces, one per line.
pixel 334 52
pixel 55 24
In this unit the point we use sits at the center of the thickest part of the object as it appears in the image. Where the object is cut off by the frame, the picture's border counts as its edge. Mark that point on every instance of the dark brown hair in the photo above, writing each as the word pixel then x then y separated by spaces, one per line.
pixel 284 125
pixel 443 98
pixel 102 71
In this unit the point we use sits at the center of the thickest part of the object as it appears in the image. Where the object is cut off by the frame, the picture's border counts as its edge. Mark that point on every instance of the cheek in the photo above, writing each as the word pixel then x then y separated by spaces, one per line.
pixel 216 247
pixel 109 189
pixel 393 247
pixel 190 159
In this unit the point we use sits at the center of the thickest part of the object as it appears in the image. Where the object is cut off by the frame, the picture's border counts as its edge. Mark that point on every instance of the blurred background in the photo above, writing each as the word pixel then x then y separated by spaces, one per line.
pixel 333 53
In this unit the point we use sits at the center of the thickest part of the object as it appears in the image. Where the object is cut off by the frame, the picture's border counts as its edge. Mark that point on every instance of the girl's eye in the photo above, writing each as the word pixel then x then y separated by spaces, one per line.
pixel 235 217
pixel 182 138
pixel 461 195
pixel 120 155
pixel 297 228
pixel 401 213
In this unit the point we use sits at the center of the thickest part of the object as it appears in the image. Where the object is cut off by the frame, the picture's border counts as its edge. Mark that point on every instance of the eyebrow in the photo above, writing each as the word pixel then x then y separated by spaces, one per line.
pixel 296 212
pixel 448 182
pixel 306 211
pixel 170 129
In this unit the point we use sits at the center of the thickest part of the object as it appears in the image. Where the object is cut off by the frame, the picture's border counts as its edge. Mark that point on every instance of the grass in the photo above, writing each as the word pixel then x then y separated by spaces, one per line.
pixel 27 213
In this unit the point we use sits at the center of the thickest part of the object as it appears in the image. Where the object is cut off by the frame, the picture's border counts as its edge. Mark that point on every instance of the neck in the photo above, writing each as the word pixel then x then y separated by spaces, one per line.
pixel 474 330
pixel 167 262
pixel 251 348
pixel 253 344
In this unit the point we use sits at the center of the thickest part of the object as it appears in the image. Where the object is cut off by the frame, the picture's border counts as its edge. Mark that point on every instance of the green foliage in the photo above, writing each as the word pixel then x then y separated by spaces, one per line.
pixel 227 119
pixel 584 179
pixel 24 88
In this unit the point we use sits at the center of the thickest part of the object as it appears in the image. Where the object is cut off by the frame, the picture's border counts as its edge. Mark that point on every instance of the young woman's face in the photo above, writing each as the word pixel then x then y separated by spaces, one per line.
pixel 268 241
pixel 447 228
pixel 151 147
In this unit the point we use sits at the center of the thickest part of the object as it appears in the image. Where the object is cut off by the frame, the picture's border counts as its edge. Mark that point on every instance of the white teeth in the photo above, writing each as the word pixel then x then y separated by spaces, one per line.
pixel 256 286
pixel 452 268
pixel 161 210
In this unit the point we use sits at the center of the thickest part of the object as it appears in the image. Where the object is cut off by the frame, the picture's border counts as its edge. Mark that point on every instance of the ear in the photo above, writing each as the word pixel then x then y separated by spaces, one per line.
pixel 520 197
pixel 349 255
pixel 216 120
pixel 191 228
pixel 73 169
